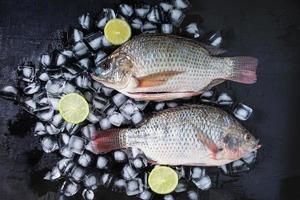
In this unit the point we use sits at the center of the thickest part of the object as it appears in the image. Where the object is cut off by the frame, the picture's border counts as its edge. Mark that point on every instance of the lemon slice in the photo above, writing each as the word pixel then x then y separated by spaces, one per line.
pixel 117 31
pixel 163 180
pixel 73 108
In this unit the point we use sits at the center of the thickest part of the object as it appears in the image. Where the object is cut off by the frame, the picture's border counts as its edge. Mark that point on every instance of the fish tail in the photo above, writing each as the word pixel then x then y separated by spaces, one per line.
pixel 105 141
pixel 244 70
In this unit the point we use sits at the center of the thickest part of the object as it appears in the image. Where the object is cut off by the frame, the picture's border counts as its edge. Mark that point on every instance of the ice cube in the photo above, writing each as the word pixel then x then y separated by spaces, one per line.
pixel 105 124
pixel 134 187
pixel 92 117
pixel 69 166
pixel 100 57
pixel 45 60
pixel 9 92
pixel 49 144
pixel 176 16
pixel 88 131
pixel 47 176
pixel 102 162
pixel 90 181
pixel 148 27
pixel 66 152
pixel 55 87
pixel 30 105
pixel 141 105
pixel 193 30
pixel 77 173
pixel 78 35
pixel 119 99
pixel 129 172
pixel 249 158
pixel 52 130
pixel 215 39
pixel 61 59
pixel 39 128
pixel 80 49
pixel 76 144
pixel 224 99
pixel 128 108
pixel 57 120
pixel 94 40
pixel 181 187
pixel 106 179
pixel 32 88
pixel 207 94
pixel 197 172
pixel 166 7
pixel 116 119
pixel 100 103
pixel 88 194
pixel 145 195
pixel 169 197
pixel 242 112
pixel 120 156
pixel 142 10
pixel 172 104
pixel 84 160
pixel 105 42
pixel 192 195
pixel 72 128
pixel 62 163
pixel 85 21
pixel 70 188
pixel 83 82
pixel 153 15
pixel 126 9
pixel 106 15
pixel 135 152
pixel 136 23
pixel 44 76
pixel 85 63
pixel 224 169
pixel 67 53
pixel 203 183
pixel 181 4
pixel 138 163
pixel 136 117
pixel 237 163
pixel 55 173
pixel 26 73
pixel 45 115
pixel 106 91
pixel 167 28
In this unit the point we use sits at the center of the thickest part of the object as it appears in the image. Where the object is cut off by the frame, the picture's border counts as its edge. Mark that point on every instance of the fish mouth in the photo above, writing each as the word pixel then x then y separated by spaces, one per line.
pixel 257 145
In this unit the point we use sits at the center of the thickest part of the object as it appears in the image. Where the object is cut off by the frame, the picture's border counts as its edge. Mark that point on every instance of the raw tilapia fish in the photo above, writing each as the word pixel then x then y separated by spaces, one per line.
pixel 187 135
pixel 160 67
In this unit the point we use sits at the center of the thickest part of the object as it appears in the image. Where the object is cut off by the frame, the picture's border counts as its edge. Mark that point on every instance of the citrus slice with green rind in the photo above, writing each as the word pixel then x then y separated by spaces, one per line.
pixel 73 108
pixel 163 180
pixel 117 31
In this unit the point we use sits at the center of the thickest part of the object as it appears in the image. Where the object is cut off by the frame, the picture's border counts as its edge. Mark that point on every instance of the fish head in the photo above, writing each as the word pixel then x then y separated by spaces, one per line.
pixel 114 72
pixel 238 142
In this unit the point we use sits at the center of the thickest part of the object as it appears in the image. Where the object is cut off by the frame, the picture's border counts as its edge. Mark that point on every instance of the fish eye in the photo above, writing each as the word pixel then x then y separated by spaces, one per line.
pixel 247 137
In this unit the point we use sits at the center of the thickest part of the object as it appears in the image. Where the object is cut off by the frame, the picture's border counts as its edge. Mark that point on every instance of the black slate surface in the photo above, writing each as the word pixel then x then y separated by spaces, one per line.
pixel 266 29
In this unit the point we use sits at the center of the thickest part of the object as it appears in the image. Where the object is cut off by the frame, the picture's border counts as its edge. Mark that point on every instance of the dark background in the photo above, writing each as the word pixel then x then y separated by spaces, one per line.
pixel 266 29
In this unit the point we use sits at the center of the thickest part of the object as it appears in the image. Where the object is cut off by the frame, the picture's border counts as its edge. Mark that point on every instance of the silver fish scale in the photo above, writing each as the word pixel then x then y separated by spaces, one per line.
pixel 154 54
pixel 165 139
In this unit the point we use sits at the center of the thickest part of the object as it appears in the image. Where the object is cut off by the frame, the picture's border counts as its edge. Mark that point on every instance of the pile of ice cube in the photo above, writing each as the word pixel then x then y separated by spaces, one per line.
pixel 64 71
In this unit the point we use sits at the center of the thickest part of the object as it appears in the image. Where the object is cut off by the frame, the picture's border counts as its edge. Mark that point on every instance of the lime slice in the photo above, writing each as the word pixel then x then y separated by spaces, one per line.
pixel 73 108
pixel 163 180
pixel 117 31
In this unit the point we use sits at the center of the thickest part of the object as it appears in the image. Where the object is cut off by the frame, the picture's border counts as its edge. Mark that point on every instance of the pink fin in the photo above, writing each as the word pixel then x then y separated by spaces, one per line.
pixel 161 96
pixel 210 145
pixel 244 70
pixel 105 141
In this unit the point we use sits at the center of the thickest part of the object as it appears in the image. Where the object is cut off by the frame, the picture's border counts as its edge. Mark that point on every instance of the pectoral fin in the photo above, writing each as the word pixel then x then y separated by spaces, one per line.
pixel 156 79
pixel 211 146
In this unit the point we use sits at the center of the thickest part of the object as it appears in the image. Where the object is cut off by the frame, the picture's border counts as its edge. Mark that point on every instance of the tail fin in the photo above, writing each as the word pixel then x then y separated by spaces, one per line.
pixel 105 141
pixel 244 70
